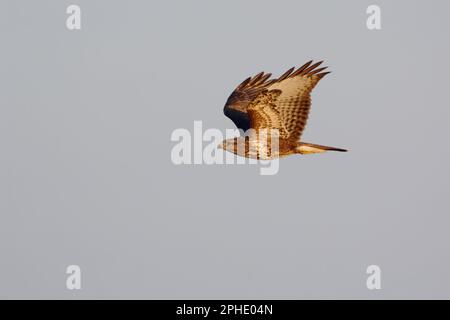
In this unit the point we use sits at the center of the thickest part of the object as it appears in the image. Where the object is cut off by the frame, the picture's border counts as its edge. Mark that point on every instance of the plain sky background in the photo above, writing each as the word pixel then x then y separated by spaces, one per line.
pixel 86 176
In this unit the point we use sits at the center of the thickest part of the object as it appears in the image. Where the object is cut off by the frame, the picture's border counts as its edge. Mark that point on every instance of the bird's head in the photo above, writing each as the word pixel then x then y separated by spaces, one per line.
pixel 234 145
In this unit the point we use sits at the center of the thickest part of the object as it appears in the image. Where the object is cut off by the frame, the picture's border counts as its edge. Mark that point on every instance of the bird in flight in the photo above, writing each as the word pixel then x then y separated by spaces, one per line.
pixel 274 110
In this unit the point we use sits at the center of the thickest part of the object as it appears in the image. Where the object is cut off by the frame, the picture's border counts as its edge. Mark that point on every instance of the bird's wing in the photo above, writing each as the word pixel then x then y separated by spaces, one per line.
pixel 236 105
pixel 264 114
pixel 294 102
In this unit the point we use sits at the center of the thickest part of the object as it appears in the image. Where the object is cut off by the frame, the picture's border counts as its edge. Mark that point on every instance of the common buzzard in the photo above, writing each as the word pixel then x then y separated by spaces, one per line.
pixel 277 107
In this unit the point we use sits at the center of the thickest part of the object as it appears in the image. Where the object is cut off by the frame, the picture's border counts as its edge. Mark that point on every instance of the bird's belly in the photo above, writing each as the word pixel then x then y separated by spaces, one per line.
pixel 257 149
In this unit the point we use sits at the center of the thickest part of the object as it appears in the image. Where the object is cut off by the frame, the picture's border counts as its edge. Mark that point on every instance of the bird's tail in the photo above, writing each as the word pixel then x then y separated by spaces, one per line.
pixel 309 148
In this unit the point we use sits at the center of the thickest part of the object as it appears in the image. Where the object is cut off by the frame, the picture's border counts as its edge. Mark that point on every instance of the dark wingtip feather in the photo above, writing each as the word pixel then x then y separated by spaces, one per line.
pixel 263 79
pixel 310 68
pixel 244 83
pixel 286 74
pixel 316 71
pixel 256 78
pixel 303 67
pixel 323 74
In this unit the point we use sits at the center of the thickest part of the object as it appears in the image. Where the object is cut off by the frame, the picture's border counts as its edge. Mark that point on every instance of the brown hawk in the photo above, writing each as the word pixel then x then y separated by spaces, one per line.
pixel 274 110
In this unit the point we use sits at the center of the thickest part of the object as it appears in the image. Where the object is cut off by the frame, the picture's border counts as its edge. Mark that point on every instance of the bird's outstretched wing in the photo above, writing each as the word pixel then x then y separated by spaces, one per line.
pixel 292 104
pixel 236 105
pixel 294 101
pixel 263 113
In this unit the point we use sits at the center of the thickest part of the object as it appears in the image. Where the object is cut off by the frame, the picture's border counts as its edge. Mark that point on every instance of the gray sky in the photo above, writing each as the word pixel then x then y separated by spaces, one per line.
pixel 86 176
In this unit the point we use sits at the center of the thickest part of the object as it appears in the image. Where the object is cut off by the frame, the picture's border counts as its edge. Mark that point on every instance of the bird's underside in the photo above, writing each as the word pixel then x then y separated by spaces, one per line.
pixel 273 113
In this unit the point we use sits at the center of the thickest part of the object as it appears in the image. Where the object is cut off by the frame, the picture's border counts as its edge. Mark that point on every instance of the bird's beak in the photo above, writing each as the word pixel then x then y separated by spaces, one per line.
pixel 221 146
